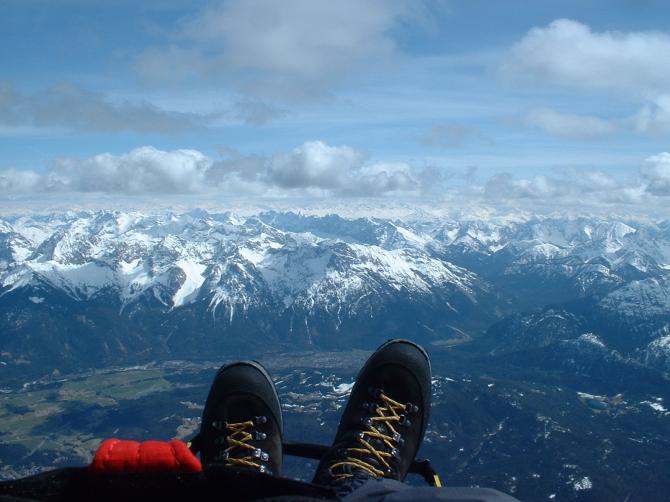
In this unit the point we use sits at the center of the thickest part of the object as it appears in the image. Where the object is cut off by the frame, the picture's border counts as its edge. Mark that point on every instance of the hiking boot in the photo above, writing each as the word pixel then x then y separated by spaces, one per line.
pixel 242 423
pixel 384 421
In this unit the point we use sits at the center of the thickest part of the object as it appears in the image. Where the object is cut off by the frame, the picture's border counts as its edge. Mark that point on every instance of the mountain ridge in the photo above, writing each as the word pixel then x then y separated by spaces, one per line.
pixel 294 280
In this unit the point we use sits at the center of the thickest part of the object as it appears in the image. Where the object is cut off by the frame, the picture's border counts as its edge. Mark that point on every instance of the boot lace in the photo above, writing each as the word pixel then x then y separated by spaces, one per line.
pixel 379 440
pixel 239 451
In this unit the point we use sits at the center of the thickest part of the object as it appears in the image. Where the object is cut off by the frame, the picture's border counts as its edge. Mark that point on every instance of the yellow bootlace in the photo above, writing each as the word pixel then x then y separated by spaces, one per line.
pixel 237 439
pixel 385 415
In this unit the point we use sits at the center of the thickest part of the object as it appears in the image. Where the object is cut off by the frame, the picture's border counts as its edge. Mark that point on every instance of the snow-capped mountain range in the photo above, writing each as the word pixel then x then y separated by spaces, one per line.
pixel 231 262
pixel 327 281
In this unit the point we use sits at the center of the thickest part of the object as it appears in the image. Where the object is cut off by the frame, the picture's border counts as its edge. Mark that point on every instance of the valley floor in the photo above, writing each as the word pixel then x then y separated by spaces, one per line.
pixel 540 435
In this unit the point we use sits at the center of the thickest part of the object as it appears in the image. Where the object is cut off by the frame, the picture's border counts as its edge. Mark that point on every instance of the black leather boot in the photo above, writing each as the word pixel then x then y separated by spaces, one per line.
pixel 384 421
pixel 242 423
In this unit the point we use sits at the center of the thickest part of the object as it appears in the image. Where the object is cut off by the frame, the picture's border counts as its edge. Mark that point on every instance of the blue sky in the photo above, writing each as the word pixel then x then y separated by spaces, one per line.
pixel 522 101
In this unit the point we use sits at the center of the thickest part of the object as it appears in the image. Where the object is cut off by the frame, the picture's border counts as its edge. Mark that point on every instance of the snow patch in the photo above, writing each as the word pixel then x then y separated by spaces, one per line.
pixel 188 290
pixel 583 484
pixel 343 388
pixel 592 339
pixel 656 406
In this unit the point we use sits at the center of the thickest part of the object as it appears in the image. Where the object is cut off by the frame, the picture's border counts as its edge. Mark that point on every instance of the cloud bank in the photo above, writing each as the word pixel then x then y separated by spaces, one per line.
pixel 572 188
pixel 293 49
pixel 316 170
pixel 67 106
pixel 313 169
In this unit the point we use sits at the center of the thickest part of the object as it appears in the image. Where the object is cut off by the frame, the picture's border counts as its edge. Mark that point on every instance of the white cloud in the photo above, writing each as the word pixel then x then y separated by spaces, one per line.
pixel 315 164
pixel 142 170
pixel 19 181
pixel 67 106
pixel 655 172
pixel 587 188
pixel 340 170
pixel 391 178
pixel 567 125
pixel 579 189
pixel 569 53
pixel 313 169
pixel 287 49
pixel 316 170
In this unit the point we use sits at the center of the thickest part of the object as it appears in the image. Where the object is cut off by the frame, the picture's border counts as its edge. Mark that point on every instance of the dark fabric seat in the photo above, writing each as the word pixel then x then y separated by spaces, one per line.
pixel 213 484
pixel 77 484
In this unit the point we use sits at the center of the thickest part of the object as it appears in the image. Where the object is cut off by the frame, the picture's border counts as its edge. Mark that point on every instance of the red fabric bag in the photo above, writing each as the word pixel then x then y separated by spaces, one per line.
pixel 116 455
